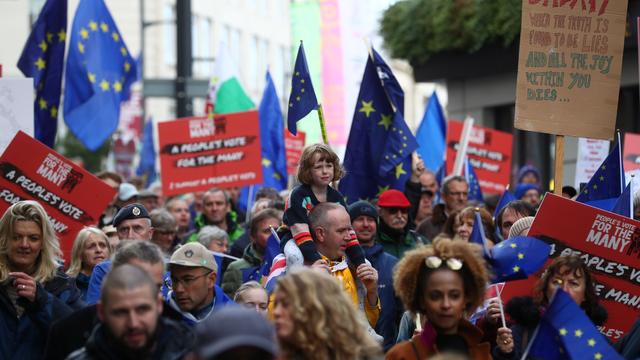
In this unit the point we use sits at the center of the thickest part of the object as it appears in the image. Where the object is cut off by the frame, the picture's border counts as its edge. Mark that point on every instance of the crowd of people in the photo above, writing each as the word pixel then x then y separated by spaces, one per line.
pixel 184 277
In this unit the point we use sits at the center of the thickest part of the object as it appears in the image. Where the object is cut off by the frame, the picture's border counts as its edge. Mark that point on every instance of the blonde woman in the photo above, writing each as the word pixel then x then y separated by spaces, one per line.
pixel 33 292
pixel 90 248
pixel 315 319
pixel 253 296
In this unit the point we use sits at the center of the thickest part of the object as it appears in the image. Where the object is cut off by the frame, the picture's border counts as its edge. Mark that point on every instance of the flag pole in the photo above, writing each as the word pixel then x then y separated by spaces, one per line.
pixel 557 181
pixel 462 146
pixel 323 127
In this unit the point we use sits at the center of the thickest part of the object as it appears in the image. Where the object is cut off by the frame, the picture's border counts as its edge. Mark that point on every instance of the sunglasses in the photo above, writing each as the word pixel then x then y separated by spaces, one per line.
pixel 434 262
pixel 395 210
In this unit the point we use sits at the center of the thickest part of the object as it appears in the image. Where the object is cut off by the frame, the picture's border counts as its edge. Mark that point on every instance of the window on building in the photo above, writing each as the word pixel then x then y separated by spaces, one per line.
pixel 169 29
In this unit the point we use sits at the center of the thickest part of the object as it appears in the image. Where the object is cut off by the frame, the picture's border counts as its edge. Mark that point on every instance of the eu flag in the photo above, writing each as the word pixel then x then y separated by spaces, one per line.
pixel 99 73
pixel 274 159
pixel 507 197
pixel 378 153
pixel 518 257
pixel 303 98
pixel 624 203
pixel 147 165
pixel 475 192
pixel 431 134
pixel 477 234
pixel 42 59
pixel 606 185
pixel 565 332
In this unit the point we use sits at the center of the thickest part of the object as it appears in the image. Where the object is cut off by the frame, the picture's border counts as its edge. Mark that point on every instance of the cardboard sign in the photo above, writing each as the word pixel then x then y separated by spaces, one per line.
pixel 489 152
pixel 294 144
pixel 72 196
pixel 198 153
pixel 569 67
pixel 591 154
pixel 16 109
pixel 608 243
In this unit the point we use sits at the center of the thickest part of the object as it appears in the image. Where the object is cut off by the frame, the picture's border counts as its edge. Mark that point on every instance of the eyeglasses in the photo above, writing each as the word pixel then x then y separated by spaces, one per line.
pixel 434 262
pixel 185 281
pixel 395 210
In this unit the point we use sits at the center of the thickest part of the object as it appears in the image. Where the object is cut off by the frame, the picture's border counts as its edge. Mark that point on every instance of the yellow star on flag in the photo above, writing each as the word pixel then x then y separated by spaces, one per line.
pixel 49 37
pixel 92 77
pixel 54 112
pixel 104 27
pixel 385 120
pixel 266 162
pixel 115 36
pixel 597 356
pixel 81 48
pixel 298 98
pixel 93 25
pixel 104 85
pixel 84 33
pixel 117 86
pixel 301 81
pixel 399 170
pixel 276 176
pixel 123 51
pixel 302 90
pixel 520 256
pixel 563 331
pixel 604 167
pixel 595 187
pixel 297 73
pixel 516 269
pixel 127 66
pixel 513 246
pixel 43 104
pixel 40 64
pixel 591 342
pixel 43 46
pixel 578 333
pixel 62 35
pixel 367 108
pixel 382 189
pixel 601 178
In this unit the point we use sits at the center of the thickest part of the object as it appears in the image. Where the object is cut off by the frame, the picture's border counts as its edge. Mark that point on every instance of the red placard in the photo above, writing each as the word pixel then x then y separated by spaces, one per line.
pixel 489 152
pixel 293 144
pixel 199 153
pixel 610 246
pixel 72 196
pixel 631 153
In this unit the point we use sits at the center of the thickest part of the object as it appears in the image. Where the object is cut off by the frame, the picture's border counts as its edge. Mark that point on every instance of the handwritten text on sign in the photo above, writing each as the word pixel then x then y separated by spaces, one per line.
pixel 569 66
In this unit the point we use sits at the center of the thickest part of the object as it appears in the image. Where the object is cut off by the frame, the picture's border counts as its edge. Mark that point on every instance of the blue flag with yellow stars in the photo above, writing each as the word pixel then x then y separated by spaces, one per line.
pixel 475 192
pixel 606 185
pixel 303 98
pixel 565 332
pixel 477 234
pixel 274 157
pixel 624 204
pixel 378 153
pixel 517 258
pixel 99 73
pixel 147 164
pixel 42 59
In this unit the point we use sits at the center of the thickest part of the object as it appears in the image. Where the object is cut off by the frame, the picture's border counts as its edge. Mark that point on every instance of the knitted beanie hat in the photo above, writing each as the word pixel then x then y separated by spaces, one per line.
pixel 521 227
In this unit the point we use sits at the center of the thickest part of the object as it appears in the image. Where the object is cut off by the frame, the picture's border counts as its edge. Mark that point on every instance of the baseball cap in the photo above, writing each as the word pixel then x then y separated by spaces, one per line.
pixel 126 191
pixel 393 198
pixel 146 194
pixel 362 207
pixel 131 211
pixel 194 255
pixel 232 327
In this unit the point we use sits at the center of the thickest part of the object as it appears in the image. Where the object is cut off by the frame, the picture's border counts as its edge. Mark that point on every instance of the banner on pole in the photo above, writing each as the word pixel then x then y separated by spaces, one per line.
pixel 72 196
pixel 569 67
pixel 489 152
pixel 198 153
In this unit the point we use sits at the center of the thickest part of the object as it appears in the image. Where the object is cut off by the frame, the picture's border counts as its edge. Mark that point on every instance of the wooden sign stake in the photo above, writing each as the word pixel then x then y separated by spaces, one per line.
pixel 557 180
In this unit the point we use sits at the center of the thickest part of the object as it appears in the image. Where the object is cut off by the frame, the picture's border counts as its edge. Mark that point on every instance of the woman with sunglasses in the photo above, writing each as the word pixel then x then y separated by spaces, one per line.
pixel 442 283
pixel 570 274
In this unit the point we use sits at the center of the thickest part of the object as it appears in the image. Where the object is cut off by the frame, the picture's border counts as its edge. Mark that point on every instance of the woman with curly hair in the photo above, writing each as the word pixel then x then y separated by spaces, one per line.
pixel 33 291
pixel 90 248
pixel 466 219
pixel 442 283
pixel 315 319
pixel 569 273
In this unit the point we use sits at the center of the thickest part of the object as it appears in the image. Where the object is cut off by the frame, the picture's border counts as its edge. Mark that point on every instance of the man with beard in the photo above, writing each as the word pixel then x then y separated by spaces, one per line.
pixel 394 232
pixel 130 323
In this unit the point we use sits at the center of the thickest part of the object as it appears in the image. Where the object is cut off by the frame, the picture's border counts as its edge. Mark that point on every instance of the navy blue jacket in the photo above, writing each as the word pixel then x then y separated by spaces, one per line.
pixel 391 312
pixel 25 337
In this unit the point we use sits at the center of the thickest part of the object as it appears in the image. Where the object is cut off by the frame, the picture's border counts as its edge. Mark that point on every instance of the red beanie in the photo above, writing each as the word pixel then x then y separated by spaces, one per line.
pixel 393 198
